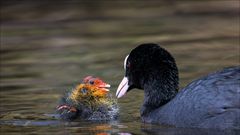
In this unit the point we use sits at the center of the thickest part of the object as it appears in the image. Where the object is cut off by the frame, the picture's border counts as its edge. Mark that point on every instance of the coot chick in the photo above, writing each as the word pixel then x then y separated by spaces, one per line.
pixel 90 100
pixel 212 101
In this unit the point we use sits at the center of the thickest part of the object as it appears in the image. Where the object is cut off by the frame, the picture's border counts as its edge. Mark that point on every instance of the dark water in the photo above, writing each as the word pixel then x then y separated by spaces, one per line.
pixel 47 48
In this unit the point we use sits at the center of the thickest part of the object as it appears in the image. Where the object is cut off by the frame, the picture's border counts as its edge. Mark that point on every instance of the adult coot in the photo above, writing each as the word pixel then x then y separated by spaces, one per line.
pixel 212 101
pixel 90 100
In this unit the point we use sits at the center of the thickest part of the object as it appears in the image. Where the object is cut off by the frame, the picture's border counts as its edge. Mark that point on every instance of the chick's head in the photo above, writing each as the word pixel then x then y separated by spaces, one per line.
pixel 91 88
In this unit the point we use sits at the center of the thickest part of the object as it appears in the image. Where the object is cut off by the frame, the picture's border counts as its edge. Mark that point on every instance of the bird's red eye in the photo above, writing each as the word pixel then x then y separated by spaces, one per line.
pixel 128 65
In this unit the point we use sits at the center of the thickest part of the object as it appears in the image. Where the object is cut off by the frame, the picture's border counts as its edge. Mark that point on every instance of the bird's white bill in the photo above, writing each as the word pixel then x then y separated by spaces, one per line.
pixel 122 88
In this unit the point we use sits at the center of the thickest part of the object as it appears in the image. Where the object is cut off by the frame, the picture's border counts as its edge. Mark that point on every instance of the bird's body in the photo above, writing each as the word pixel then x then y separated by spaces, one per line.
pixel 212 101
pixel 90 100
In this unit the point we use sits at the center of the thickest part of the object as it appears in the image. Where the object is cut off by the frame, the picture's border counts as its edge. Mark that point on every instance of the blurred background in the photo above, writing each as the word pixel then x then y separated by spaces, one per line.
pixel 47 47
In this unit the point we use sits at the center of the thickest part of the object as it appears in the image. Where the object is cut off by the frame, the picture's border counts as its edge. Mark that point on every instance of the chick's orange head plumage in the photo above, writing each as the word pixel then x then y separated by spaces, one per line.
pixel 90 87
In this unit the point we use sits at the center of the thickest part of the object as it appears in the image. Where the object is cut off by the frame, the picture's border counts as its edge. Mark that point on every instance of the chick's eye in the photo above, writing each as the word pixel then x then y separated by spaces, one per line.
pixel 91 82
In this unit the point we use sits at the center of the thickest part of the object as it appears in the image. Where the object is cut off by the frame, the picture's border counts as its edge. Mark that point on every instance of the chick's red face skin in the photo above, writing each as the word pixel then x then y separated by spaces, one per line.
pixel 96 82
pixel 87 79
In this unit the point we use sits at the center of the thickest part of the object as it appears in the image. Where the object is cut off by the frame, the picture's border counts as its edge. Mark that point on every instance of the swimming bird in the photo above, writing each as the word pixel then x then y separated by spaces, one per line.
pixel 90 100
pixel 212 101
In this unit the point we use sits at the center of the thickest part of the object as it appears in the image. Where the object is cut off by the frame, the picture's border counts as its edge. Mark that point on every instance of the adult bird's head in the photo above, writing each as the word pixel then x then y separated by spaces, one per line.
pixel 148 65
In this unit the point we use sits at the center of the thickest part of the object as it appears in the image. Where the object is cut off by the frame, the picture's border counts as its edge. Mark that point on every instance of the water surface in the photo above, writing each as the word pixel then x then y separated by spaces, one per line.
pixel 47 49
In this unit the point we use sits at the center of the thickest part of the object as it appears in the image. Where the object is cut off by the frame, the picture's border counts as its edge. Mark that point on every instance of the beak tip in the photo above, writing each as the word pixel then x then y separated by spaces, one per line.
pixel 108 85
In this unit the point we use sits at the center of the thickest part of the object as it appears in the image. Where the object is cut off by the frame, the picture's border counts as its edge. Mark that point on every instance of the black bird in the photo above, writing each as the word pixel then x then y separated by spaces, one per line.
pixel 213 101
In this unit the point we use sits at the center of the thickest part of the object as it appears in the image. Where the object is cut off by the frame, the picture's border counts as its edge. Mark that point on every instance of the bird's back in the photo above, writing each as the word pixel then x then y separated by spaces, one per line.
pixel 212 101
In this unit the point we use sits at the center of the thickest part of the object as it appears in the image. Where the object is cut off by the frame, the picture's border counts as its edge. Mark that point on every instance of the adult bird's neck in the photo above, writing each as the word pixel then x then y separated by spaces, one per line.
pixel 158 91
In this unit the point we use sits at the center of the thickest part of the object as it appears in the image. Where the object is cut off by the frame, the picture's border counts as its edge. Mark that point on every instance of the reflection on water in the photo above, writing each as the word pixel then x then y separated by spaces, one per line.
pixel 44 53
